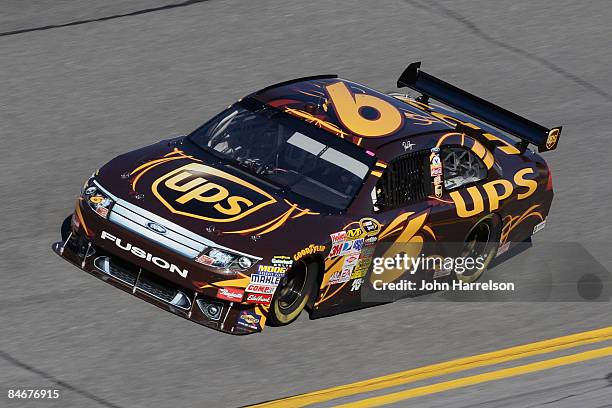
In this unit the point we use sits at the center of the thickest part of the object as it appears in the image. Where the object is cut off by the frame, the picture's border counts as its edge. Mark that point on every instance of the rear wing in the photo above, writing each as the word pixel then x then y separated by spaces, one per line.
pixel 529 132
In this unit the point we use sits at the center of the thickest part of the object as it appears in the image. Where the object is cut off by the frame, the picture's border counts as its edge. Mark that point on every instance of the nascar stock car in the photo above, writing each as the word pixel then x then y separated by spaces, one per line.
pixel 280 202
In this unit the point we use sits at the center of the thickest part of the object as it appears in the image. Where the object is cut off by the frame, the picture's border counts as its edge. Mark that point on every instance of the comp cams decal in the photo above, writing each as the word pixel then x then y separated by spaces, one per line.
pixel 141 253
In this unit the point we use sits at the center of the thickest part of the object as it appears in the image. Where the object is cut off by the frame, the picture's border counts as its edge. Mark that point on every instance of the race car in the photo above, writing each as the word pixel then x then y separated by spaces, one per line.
pixel 284 201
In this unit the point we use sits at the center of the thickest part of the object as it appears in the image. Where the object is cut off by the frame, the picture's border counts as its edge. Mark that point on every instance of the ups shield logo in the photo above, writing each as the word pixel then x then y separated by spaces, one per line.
pixel 190 191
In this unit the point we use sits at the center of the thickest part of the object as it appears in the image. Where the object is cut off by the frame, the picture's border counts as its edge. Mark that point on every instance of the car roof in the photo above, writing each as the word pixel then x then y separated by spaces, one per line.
pixel 350 110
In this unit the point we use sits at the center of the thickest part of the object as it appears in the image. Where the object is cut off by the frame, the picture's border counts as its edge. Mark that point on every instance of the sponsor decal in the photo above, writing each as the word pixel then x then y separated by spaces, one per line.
pixel 361 268
pixel 367 252
pixel 358 272
pixel 340 277
pixel 268 274
pixel 102 211
pixel 282 261
pixel 190 191
pixel 370 241
pixel 339 236
pixel 231 294
pixel 354 233
pixel 335 249
pixel 309 250
pixel 96 199
pixel 370 226
pixel 539 227
pixel 263 289
pixel 496 192
pixel 438 190
pixel 353 240
pixel 99 204
pixel 553 137
pixel 350 261
pixel 205 260
pixel 141 253
pixel 356 285
pixel 259 298
pixel 249 319
pixel 266 279
pixel 436 171
pixel 352 246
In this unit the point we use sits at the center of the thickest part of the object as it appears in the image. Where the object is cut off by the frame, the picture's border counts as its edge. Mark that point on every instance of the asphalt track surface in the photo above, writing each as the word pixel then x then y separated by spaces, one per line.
pixel 82 81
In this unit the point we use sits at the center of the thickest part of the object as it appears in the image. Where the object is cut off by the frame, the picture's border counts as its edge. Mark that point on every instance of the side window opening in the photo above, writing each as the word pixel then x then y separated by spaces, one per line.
pixel 461 167
pixel 404 181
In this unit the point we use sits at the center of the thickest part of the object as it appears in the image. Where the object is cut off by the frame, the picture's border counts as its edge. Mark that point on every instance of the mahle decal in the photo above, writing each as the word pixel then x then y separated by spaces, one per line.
pixel 189 191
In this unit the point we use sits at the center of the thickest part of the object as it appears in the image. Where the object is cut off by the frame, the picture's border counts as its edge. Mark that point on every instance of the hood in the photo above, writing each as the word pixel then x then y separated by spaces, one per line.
pixel 214 200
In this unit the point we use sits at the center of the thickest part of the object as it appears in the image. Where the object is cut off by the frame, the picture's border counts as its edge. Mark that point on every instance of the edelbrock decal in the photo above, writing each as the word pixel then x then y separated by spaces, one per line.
pixel 141 253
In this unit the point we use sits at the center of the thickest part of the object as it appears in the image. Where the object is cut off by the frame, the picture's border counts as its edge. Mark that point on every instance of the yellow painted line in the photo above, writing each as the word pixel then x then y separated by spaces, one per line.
pixel 449 367
pixel 480 378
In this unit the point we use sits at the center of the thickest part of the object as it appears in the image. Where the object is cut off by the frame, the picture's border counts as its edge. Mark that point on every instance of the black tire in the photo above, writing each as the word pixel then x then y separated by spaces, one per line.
pixel 293 293
pixel 482 240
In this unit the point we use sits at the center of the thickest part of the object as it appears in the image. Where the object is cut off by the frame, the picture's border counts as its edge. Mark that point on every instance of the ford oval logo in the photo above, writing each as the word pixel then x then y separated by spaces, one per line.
pixel 156 228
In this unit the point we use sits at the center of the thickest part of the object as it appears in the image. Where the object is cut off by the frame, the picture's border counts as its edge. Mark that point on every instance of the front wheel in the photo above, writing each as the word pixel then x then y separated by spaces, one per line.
pixel 293 293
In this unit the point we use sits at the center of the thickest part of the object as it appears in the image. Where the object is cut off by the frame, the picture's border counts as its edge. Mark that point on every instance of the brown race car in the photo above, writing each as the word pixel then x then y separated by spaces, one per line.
pixel 285 200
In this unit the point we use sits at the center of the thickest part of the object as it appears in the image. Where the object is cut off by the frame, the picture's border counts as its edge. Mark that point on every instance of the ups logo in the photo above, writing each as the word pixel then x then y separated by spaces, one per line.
pixel 190 191
pixel 551 140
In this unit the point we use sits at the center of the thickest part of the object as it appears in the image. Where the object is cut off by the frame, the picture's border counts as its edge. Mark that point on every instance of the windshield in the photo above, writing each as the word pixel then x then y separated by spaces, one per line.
pixel 279 149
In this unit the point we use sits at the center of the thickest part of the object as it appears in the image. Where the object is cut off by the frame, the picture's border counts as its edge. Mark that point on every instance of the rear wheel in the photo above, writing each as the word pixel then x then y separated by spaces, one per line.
pixel 293 293
pixel 481 245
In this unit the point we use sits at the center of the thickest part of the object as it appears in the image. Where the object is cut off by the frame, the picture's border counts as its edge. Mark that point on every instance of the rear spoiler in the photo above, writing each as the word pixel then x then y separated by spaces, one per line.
pixel 529 132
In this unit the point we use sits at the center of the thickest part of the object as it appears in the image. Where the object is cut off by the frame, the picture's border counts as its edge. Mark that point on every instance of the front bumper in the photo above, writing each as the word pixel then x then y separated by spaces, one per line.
pixel 187 302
